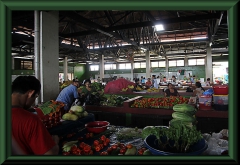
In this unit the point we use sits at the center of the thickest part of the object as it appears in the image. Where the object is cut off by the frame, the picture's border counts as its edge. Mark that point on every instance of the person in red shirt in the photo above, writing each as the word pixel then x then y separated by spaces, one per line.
pixel 28 131
pixel 148 84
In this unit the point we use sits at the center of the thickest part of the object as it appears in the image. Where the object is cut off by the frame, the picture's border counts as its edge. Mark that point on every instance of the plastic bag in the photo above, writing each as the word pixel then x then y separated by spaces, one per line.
pixel 208 92
pixel 76 102
pixel 217 135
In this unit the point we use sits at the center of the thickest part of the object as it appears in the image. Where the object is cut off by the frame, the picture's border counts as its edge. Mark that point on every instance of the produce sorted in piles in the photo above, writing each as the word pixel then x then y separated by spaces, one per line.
pixel 70 116
pixel 128 133
pixel 153 90
pixel 182 136
pixel 184 114
pixel 75 113
pixel 50 113
pixel 162 102
pixel 65 84
pixel 114 100
pixel 151 130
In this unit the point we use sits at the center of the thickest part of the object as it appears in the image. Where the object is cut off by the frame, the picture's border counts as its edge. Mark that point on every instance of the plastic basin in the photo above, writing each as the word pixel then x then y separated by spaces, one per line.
pixel 196 149
pixel 97 126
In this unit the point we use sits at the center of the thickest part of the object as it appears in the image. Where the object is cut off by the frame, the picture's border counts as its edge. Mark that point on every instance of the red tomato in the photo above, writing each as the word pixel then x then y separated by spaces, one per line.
pixel 96 142
pixel 140 152
pixel 80 138
pixel 66 153
pixel 73 148
pixel 104 153
pixel 103 137
pixel 109 150
pixel 122 151
pixel 114 146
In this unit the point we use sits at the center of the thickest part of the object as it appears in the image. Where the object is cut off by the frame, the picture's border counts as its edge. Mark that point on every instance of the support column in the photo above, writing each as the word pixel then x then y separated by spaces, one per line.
pixel 101 66
pixel 37 49
pixel 49 53
pixel 132 65
pixel 167 66
pixel 208 64
pixel 65 69
pixel 185 61
pixel 148 65
pixel 13 63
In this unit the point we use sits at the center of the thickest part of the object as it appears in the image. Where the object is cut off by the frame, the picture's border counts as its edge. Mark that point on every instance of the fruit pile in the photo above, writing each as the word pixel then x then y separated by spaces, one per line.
pixel 162 102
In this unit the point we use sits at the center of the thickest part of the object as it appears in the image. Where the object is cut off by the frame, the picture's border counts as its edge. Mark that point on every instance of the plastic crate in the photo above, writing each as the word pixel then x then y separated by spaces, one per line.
pixel 220 99
pixel 219 107
pixel 205 99
pixel 205 107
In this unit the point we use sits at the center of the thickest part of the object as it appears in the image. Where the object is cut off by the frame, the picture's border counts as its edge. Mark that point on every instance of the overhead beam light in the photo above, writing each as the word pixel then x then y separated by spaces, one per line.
pixel 159 27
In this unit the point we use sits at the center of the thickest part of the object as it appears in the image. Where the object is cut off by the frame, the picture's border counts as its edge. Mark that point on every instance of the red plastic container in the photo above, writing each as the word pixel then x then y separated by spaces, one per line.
pixel 220 89
pixel 205 99
pixel 205 107
pixel 97 126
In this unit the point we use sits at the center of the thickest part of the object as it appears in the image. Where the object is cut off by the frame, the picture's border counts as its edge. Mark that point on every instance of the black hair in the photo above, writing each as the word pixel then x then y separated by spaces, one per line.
pixel 199 85
pixel 87 80
pixel 24 83
pixel 169 84
pixel 75 80
pixel 208 79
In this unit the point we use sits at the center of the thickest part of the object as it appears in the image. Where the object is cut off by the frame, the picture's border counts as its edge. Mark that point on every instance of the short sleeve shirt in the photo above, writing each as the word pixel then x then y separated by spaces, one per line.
pixel 30 133
pixel 68 95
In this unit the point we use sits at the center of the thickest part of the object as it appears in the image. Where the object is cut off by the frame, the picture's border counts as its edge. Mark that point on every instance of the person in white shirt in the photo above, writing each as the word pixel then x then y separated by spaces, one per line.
pixel 154 80
pixel 208 82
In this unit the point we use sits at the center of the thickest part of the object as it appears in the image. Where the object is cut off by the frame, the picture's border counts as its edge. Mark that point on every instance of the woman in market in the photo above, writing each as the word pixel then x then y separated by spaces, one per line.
pixel 171 91
pixel 148 83
pixel 29 135
pixel 87 88
pixel 198 90
pixel 69 95
pixel 208 83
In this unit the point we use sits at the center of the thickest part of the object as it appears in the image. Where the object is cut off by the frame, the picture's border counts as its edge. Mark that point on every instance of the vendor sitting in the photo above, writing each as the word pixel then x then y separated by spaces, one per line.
pixel 171 91
pixel 137 85
pixel 87 88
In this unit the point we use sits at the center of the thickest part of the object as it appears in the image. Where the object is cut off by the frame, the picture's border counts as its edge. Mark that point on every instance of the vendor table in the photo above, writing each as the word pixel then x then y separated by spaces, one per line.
pixel 208 120
pixel 71 126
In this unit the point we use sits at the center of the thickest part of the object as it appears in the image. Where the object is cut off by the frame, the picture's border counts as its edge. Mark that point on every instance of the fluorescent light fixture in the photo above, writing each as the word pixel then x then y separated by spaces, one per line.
pixel 159 27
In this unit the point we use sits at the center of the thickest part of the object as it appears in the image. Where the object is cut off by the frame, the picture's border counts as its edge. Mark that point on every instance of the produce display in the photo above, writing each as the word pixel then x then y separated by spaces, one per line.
pixel 161 102
pixel 75 113
pixel 128 134
pixel 184 114
pixel 113 100
pixel 65 84
pixel 50 113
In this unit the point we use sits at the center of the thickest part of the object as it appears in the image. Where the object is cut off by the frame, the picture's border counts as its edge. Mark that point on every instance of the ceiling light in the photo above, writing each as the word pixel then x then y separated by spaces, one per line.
pixel 159 27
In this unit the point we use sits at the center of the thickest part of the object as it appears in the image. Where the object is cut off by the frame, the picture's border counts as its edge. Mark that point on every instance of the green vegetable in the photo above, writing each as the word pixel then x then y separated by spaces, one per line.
pixel 183 117
pixel 186 108
pixel 77 108
pixel 176 123
pixel 69 116
pixel 151 130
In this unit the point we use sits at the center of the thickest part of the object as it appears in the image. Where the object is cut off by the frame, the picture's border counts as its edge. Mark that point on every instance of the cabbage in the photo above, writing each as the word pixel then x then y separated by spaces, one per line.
pixel 77 108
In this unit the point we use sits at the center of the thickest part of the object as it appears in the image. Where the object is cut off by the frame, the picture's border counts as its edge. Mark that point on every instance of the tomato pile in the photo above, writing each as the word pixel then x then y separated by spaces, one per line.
pixel 162 102
pixel 86 149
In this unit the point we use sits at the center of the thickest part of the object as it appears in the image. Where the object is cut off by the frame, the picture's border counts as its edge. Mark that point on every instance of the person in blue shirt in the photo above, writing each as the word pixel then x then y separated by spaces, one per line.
pixel 69 95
